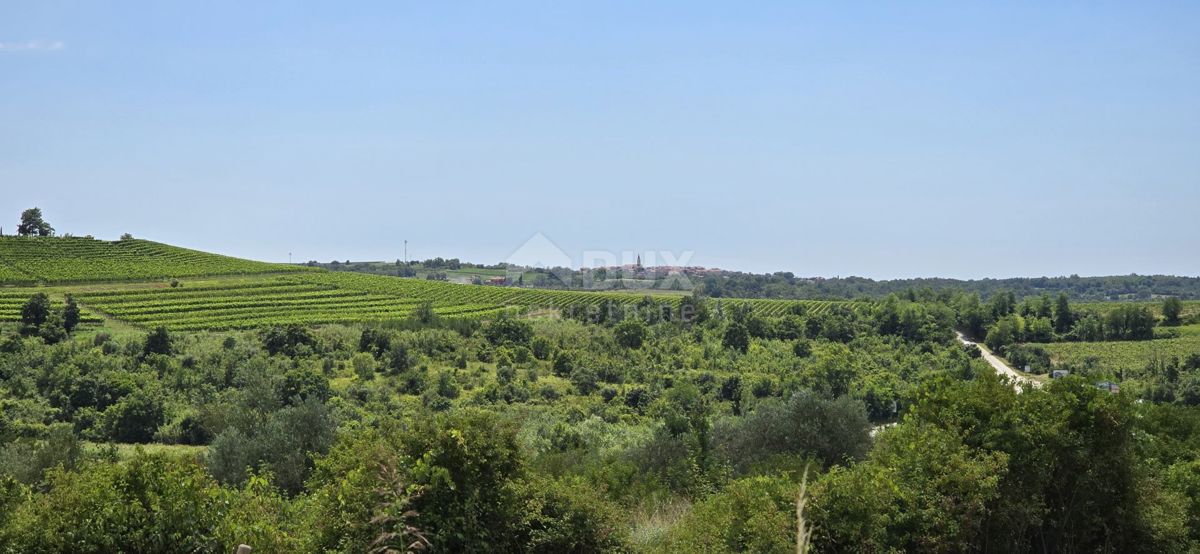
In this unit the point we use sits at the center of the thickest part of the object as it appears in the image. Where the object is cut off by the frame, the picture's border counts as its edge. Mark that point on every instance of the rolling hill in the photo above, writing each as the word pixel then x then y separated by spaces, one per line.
pixel 149 284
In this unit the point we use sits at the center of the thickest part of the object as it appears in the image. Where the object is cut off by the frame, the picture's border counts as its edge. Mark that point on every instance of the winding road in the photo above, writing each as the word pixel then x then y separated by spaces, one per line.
pixel 1019 381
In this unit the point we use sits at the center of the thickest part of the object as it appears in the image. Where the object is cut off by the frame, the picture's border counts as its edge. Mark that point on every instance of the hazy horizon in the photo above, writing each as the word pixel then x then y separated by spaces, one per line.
pixel 885 141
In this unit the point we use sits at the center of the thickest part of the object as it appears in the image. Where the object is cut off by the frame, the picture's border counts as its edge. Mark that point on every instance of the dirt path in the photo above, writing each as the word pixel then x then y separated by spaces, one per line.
pixel 1019 381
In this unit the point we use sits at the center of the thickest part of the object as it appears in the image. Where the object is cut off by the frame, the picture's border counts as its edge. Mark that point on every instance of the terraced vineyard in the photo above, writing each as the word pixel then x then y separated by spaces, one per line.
pixel 302 295
pixel 271 301
pixel 25 260
pixel 1129 356
pixel 327 297
pixel 439 291
pixel 1190 307
pixel 775 308
pixel 451 293
pixel 11 302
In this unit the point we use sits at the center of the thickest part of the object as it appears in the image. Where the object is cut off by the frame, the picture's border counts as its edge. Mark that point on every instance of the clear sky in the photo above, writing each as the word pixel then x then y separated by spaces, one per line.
pixel 886 139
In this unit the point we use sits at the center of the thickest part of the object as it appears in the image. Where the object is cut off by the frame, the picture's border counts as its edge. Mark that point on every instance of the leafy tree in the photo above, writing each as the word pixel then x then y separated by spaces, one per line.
pixel 70 314
pixel 136 417
pixel 507 330
pixel 280 442
pixel 832 431
pixel 53 331
pixel 584 380
pixel 425 314
pixel 374 341
pixel 1063 318
pixel 36 310
pixel 973 316
pixel 1172 308
pixel 32 224
pixel 630 333
pixel 921 489
pixel 364 365
pixel 1129 322
pixel 287 339
pixel 693 309
pixel 1006 331
pixel 736 337
pixel 300 384
pixel 541 348
pixel 1039 329
pixel 157 341
pixel 400 360
pixel 564 363
pixel 1003 303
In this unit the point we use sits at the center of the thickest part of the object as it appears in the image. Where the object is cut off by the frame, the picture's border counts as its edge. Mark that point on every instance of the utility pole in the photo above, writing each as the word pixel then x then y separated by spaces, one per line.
pixel 406 252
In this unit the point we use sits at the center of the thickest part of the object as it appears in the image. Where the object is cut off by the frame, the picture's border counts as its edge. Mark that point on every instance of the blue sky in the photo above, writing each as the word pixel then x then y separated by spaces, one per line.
pixel 878 139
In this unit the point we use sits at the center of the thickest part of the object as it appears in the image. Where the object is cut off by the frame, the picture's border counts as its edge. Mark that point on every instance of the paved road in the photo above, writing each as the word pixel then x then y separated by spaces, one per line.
pixel 1019 381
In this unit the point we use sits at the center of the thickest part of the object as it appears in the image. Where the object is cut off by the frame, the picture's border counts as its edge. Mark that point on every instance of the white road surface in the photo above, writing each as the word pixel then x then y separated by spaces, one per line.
pixel 1019 381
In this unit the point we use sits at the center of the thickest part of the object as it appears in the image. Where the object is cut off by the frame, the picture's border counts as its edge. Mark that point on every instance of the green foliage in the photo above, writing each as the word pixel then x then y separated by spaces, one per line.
pixel 507 330
pixel 280 442
pixel 135 417
pixel 288 339
pixel 36 310
pixel 559 434
pixel 568 516
pixel 1129 322
pixel 921 489
pixel 755 514
pixel 150 503
pixel 158 342
pixel 32 224
pixel 70 315
pixel 77 259
pixel 736 337
pixel 1172 308
pixel 630 333
pixel 832 431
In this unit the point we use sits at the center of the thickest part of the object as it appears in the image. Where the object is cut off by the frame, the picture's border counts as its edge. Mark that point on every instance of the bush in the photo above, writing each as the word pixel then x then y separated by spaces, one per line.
pixel 281 445
pixel 151 503
pixel 288 339
pixel 756 514
pixel 136 417
pixel 157 342
pixel 568 516
pixel 834 431
pixel 463 466
pixel 630 333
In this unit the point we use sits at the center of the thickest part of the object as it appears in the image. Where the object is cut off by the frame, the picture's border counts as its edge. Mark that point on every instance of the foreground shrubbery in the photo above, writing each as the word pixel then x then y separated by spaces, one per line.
pixel 556 435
